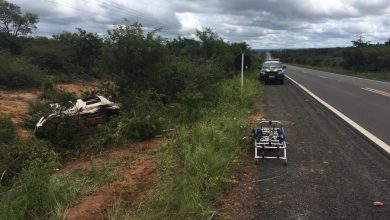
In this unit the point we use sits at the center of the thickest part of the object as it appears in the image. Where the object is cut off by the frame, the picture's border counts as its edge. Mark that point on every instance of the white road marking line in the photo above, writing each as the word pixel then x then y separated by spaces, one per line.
pixel 363 131
pixel 377 91
pixel 378 81
pixel 324 77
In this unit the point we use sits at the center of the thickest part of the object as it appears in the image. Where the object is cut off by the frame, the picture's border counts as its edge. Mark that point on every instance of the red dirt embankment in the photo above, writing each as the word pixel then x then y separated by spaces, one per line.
pixel 131 186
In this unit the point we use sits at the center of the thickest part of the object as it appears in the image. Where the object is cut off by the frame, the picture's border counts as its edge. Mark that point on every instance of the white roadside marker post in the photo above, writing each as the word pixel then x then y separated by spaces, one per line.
pixel 242 71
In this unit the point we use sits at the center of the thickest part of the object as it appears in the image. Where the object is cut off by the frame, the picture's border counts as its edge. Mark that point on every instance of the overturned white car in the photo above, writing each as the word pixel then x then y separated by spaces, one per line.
pixel 92 110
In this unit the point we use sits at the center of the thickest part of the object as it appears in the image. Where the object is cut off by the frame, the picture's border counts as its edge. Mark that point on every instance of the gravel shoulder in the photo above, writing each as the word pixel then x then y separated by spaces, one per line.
pixel 333 173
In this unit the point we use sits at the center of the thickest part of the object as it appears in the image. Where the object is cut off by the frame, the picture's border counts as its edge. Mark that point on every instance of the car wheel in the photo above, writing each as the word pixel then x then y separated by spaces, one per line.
pixel 281 82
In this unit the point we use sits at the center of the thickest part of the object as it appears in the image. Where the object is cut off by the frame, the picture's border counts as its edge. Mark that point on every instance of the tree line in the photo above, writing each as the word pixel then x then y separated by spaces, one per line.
pixel 361 56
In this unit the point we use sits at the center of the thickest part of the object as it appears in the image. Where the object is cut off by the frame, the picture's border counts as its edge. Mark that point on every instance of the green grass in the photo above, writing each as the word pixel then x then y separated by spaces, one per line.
pixel 191 173
pixel 383 76
pixel 40 195
pixel 195 164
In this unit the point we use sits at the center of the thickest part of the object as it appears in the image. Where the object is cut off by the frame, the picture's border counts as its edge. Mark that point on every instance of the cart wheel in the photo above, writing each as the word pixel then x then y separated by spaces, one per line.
pixel 285 163
pixel 256 161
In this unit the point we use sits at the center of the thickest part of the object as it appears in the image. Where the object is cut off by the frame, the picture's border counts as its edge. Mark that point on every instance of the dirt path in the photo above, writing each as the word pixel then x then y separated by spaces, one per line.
pixel 133 180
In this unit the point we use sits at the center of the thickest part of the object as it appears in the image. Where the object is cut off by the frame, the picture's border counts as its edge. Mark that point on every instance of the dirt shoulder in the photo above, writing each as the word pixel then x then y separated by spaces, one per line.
pixel 241 196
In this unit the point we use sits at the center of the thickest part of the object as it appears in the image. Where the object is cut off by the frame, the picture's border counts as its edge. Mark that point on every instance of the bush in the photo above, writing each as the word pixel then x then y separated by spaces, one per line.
pixel 55 95
pixel 37 194
pixel 17 156
pixel 7 134
pixel 202 151
pixel 141 127
pixel 144 116
pixel 36 110
pixel 18 72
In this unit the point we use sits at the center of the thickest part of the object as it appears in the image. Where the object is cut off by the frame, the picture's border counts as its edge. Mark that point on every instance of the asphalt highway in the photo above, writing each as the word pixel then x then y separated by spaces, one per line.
pixel 332 172
pixel 366 102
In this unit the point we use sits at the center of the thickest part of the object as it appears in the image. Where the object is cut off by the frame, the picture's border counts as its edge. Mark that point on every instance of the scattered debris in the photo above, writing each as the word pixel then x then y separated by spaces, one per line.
pixel 377 203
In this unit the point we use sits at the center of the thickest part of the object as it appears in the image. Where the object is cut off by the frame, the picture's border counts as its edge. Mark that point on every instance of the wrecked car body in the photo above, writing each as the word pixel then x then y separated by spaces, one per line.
pixel 92 110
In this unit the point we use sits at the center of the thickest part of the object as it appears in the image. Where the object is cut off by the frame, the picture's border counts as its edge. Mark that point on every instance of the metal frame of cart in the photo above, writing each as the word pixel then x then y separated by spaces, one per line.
pixel 270 136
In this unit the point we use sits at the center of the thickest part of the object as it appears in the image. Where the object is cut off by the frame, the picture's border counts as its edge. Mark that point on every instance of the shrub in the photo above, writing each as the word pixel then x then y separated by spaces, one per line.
pixel 17 156
pixel 201 154
pixel 141 127
pixel 36 110
pixel 18 72
pixel 55 95
pixel 37 194
pixel 7 134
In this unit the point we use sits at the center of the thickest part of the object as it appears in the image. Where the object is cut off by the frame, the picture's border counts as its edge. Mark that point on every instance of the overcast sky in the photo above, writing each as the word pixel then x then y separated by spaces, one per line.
pixel 263 24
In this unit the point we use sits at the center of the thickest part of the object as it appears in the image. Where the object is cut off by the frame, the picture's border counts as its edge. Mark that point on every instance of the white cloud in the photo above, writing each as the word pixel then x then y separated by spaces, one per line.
pixel 188 21
pixel 261 23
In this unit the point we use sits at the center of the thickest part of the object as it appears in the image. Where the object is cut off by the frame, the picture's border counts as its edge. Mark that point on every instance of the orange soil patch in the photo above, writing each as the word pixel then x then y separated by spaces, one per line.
pixel 256 117
pixel 134 180
pixel 15 102
pixel 112 154
pixel 77 88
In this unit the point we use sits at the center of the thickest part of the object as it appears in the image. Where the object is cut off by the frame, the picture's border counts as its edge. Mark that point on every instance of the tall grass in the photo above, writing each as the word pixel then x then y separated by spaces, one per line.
pixel 203 152
pixel 37 195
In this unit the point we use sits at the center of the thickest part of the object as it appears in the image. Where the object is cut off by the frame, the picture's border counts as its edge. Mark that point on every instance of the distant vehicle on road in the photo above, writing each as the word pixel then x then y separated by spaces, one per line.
pixel 92 110
pixel 272 70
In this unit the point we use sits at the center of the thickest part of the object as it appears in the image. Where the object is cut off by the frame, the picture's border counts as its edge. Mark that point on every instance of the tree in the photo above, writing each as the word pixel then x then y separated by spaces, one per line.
pixel 14 22
pixel 138 59
pixel 86 47
pixel 387 43
pixel 360 42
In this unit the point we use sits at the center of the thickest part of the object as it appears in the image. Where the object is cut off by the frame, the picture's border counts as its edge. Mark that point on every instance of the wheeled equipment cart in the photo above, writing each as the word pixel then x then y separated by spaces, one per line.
pixel 270 141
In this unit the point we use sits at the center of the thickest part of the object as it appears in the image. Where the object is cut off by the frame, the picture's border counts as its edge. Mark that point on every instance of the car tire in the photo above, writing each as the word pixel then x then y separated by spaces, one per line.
pixel 281 82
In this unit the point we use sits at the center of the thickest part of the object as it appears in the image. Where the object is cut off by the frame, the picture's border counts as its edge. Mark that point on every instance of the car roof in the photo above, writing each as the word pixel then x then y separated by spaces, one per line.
pixel 272 61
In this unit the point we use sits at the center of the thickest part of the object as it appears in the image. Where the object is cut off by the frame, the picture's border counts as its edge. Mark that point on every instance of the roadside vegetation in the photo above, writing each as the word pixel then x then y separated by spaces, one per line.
pixel 186 85
pixel 363 59
pixel 204 152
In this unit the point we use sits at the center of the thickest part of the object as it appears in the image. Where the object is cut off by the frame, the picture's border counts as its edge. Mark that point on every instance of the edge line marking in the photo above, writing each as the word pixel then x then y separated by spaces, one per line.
pixel 363 131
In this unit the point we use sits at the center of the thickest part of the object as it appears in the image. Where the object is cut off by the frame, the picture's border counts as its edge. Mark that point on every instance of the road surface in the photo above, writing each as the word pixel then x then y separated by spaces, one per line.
pixel 333 173
pixel 366 102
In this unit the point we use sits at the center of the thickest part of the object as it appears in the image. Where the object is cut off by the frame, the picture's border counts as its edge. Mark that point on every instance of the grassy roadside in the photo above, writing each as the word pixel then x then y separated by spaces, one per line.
pixel 202 150
pixel 194 166
pixel 383 76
